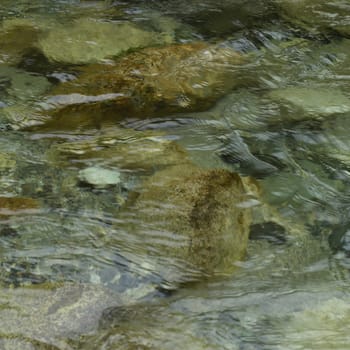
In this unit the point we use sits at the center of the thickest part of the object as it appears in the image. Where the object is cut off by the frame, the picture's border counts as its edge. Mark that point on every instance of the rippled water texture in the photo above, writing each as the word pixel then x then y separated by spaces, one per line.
pixel 174 175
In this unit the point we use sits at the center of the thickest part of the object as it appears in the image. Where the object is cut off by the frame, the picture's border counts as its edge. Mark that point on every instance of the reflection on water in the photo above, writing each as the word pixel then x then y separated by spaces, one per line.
pixel 123 125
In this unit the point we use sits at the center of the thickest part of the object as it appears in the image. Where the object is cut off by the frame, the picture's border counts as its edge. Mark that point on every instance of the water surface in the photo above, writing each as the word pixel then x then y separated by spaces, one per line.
pixel 78 272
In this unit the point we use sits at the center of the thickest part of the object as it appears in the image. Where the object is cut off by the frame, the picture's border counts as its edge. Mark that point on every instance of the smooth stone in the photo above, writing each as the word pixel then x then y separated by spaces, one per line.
pixel 23 86
pixel 100 177
pixel 90 40
pixel 313 100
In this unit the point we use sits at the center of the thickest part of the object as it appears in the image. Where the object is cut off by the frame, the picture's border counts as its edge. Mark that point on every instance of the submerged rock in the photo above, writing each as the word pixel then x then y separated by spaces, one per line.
pixel 331 143
pixel 122 148
pixel 90 40
pixel 17 37
pixel 313 100
pixel 194 216
pixel 213 18
pixel 325 323
pixel 317 15
pixel 152 81
pixel 21 86
pixel 51 315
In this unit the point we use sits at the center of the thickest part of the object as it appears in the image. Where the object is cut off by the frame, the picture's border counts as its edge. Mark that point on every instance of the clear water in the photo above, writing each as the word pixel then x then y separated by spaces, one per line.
pixel 78 272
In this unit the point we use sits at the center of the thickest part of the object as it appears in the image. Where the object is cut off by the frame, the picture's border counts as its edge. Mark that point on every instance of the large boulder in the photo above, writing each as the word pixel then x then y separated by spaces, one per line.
pixel 152 81
pixel 195 217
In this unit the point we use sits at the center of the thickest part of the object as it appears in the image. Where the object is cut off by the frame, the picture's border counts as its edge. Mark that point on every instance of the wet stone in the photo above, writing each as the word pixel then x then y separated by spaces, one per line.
pixel 91 40
pixel 152 81
pixel 17 36
pixel 22 86
pixel 200 212
pixel 313 100
pixel 99 177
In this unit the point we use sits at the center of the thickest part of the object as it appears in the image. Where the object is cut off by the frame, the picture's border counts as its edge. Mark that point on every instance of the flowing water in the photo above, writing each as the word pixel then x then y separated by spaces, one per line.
pixel 80 268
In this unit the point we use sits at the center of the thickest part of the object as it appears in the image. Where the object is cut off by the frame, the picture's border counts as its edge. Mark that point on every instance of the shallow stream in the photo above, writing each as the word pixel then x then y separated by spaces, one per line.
pixel 79 268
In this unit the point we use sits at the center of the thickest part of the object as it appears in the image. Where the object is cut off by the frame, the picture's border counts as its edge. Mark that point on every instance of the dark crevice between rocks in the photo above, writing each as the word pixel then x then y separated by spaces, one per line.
pixel 268 231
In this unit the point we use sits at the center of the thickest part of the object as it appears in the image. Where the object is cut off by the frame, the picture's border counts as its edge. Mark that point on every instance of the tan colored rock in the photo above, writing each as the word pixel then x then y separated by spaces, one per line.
pixel 194 215
pixel 152 81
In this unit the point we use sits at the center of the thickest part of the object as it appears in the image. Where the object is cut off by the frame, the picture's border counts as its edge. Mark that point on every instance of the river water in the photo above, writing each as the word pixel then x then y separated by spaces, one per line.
pixel 80 268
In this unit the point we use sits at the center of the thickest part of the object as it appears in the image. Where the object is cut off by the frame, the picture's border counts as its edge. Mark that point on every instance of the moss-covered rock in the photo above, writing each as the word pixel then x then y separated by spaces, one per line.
pixel 152 81
pixel 201 214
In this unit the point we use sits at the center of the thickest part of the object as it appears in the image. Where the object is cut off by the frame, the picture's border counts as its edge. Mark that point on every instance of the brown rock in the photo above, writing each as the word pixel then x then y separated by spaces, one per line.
pixel 194 215
pixel 17 205
pixel 153 81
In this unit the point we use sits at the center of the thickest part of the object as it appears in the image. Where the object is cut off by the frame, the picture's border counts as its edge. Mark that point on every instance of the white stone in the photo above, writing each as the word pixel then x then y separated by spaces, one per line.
pixel 100 177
